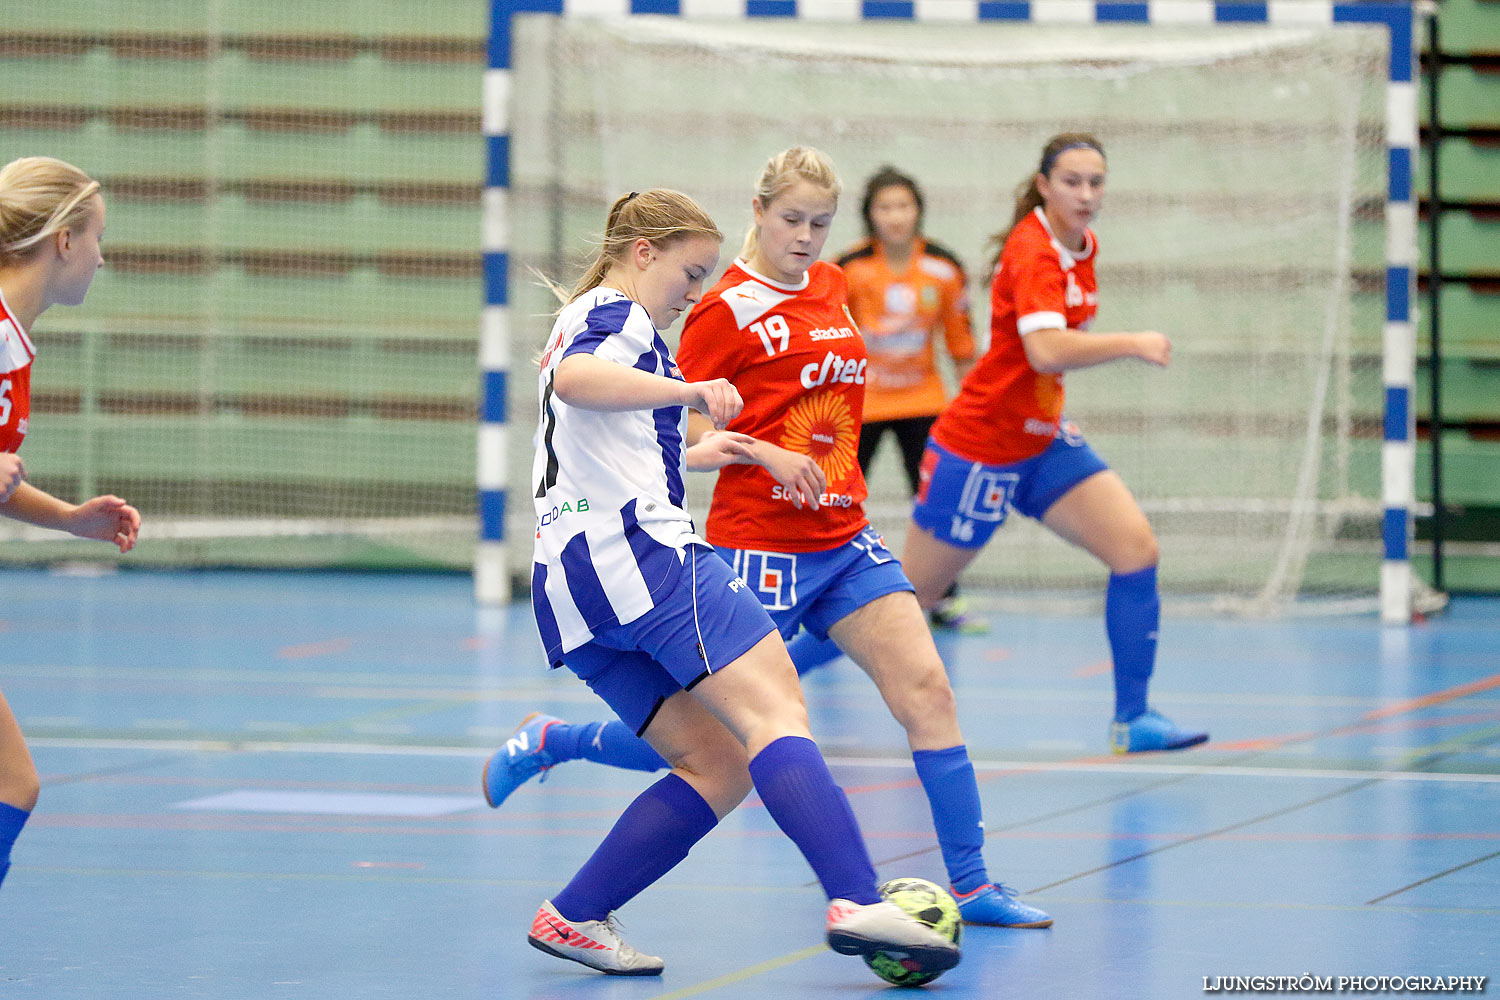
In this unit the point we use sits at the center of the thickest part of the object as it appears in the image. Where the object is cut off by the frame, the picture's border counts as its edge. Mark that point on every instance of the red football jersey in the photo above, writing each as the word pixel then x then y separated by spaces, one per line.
pixel 796 356
pixel 1007 411
pixel 16 353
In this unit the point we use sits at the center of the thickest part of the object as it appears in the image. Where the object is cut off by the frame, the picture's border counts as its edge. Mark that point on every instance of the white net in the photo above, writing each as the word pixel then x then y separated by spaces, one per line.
pixel 1244 218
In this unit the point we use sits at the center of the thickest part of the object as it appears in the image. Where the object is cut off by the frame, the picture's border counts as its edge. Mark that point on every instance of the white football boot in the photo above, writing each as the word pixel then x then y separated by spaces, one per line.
pixel 863 930
pixel 595 943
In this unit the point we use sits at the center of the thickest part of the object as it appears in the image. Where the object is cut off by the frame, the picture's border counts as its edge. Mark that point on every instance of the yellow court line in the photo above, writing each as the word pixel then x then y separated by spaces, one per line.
pixel 769 965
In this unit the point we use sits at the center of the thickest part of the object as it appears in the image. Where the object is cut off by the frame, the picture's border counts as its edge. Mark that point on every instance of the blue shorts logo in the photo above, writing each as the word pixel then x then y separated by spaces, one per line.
pixel 771 575
pixel 987 494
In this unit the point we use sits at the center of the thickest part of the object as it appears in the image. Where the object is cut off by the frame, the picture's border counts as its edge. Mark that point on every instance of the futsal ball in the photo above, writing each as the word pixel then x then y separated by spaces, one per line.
pixel 929 903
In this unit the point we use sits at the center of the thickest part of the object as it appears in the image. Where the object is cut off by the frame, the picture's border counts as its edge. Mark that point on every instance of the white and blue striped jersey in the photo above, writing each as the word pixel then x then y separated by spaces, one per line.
pixel 610 528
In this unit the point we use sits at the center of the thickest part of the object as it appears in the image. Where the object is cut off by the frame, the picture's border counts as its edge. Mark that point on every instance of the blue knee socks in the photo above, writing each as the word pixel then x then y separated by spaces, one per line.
pixel 792 780
pixel 953 795
pixel 1132 612
pixel 11 821
pixel 808 652
pixel 655 832
pixel 609 743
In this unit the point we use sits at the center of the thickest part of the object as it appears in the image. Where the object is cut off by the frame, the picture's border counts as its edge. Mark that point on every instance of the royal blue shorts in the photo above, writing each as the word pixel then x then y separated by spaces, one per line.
pixel 708 621
pixel 816 589
pixel 963 502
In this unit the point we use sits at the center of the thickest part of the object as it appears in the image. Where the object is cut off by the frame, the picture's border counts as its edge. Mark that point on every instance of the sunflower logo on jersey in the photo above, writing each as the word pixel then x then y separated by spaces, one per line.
pixel 822 426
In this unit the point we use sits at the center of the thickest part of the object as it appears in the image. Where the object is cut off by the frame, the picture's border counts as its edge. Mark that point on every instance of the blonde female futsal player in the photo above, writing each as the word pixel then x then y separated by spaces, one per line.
pixel 51 220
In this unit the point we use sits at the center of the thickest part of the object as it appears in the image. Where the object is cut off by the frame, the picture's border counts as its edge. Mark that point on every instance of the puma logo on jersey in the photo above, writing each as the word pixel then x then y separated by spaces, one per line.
pixel 834 368
pixel 750 300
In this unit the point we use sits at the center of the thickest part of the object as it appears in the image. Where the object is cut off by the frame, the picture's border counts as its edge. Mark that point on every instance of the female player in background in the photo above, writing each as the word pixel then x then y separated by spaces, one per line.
pixel 629 598
pixel 51 220
pixel 903 291
pixel 787 515
pixel 1003 442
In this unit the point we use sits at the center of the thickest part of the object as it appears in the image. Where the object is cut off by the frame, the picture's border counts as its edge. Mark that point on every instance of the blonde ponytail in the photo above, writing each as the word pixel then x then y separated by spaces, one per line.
pixel 39 196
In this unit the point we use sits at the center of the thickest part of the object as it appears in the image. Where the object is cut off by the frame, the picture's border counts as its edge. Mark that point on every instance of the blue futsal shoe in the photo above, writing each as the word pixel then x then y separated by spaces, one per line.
pixel 1151 731
pixel 998 906
pixel 524 755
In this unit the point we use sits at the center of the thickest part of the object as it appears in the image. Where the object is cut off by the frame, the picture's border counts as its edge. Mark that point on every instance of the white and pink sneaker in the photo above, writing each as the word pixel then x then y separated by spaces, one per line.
pixel 863 930
pixel 595 943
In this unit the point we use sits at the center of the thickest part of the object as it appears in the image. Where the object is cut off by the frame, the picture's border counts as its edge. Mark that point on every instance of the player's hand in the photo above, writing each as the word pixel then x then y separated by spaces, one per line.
pixel 717 399
pixel 12 474
pixel 801 476
pixel 1154 348
pixel 716 449
pixel 108 519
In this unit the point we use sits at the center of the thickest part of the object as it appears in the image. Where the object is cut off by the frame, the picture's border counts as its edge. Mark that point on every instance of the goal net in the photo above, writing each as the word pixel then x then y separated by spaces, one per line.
pixel 1244 218
pixel 276 364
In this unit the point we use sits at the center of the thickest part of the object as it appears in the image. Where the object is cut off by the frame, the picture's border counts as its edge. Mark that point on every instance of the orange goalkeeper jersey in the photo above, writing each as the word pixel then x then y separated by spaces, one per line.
pixel 900 315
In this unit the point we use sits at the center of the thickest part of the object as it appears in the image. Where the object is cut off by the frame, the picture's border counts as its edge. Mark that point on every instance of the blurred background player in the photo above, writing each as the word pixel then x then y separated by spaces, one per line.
pixel 1003 442
pixel 636 604
pixel 904 290
pixel 788 516
pixel 51 221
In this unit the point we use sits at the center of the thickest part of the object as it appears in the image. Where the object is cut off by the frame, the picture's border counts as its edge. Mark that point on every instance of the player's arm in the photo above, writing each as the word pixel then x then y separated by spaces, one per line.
pixel 106 518
pixel 1058 349
pixel 958 329
pixel 1051 346
pixel 801 476
pixel 594 383
pixel 12 474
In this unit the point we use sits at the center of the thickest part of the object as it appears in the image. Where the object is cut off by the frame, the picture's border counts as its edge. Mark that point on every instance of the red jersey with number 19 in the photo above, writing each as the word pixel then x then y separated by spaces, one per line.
pixel 1007 411
pixel 796 357
pixel 16 353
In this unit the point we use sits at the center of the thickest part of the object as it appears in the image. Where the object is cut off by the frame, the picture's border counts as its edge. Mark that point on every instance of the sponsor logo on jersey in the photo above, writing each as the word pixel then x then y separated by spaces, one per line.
pixel 833 368
pixel 822 426
pixel 581 505
pixel 779 492
pixel 831 333
pixel 1075 296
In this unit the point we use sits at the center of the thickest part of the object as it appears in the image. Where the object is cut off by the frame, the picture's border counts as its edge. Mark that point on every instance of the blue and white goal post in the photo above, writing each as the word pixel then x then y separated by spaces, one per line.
pixel 1398 463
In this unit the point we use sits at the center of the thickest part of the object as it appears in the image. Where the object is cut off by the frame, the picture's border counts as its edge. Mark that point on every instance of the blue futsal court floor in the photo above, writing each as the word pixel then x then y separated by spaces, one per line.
pixel 261 785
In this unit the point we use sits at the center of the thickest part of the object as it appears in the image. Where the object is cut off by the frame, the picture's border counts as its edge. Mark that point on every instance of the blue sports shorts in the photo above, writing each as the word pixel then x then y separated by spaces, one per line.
pixel 816 589
pixel 708 620
pixel 963 502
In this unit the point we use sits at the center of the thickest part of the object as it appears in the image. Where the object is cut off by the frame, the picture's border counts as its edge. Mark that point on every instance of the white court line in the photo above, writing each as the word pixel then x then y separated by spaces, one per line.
pixel 890 763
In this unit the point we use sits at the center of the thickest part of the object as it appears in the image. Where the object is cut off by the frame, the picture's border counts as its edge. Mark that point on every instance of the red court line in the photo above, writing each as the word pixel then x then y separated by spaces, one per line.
pixel 306 649
pixel 1438 698
pixel 1095 669
pixel 1364 726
